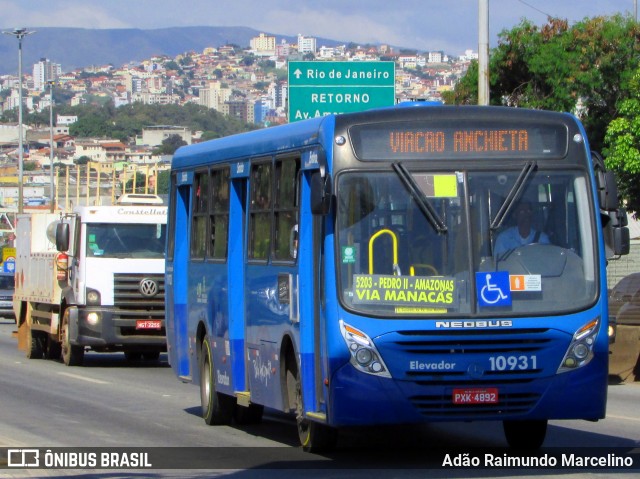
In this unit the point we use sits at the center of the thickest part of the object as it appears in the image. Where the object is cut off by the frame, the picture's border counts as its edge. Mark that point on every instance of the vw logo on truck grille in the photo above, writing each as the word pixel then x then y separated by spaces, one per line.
pixel 148 287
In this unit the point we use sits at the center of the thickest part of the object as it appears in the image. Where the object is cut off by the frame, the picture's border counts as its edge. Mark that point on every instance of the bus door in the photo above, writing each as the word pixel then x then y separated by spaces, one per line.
pixel 236 274
pixel 177 277
pixel 312 348
pixel 271 276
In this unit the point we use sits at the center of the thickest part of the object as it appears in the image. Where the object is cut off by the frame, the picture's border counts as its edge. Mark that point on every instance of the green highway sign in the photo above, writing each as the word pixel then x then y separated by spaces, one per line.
pixel 320 88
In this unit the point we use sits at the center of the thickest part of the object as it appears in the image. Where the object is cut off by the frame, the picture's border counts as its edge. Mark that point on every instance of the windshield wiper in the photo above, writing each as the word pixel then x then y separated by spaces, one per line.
pixel 514 194
pixel 414 190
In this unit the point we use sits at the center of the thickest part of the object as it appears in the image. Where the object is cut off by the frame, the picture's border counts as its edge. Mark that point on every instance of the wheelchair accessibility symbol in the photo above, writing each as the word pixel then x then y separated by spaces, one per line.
pixel 493 288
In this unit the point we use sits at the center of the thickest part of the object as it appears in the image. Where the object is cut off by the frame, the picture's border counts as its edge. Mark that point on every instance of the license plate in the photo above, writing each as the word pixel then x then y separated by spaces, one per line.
pixel 148 324
pixel 475 396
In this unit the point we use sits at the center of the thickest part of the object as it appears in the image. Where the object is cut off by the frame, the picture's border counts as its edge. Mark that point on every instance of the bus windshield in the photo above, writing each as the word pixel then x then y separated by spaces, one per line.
pixel 398 256
pixel 110 240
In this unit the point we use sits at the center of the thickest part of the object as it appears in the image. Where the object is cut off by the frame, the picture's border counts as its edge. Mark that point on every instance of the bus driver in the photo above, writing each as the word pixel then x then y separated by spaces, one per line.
pixel 519 235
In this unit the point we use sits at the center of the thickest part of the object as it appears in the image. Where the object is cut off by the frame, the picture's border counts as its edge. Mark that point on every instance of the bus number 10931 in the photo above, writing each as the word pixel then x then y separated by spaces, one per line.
pixel 512 363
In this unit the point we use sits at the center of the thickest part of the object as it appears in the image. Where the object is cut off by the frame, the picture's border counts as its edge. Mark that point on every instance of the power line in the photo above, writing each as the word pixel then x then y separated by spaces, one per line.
pixel 536 9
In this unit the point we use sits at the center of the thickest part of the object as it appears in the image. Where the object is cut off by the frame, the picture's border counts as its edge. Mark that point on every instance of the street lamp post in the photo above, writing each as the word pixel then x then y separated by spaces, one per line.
pixel 20 33
pixel 51 146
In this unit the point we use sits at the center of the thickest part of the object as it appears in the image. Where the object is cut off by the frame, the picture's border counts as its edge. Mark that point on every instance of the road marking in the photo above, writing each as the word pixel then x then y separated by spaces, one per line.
pixel 624 418
pixel 76 376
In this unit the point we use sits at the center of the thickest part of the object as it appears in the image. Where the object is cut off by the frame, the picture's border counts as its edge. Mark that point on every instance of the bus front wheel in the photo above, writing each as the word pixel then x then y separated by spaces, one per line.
pixel 525 434
pixel 314 437
pixel 217 408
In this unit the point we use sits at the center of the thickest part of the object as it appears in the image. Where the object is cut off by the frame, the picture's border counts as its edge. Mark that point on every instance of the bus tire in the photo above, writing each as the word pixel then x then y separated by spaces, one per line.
pixel 525 434
pixel 313 436
pixel 217 408
pixel 72 355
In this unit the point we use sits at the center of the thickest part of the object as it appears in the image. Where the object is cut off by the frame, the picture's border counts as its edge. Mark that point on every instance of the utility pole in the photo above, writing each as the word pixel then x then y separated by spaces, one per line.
pixel 483 52
pixel 20 33
pixel 51 147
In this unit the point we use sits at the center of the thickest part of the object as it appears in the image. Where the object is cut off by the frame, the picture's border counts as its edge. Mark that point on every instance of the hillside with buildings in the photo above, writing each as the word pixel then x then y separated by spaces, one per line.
pixel 248 84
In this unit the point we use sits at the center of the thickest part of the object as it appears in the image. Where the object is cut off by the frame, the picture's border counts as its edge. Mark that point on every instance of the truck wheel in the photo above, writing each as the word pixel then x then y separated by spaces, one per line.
pixel 151 355
pixel 525 434
pixel 35 344
pixel 54 348
pixel 72 355
pixel 217 408
pixel 133 355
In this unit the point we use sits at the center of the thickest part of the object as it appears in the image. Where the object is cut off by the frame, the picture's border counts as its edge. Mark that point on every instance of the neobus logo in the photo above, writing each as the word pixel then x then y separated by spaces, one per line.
pixel 474 324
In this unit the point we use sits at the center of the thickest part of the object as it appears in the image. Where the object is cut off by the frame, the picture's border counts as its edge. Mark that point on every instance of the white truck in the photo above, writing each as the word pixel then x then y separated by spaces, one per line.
pixel 91 278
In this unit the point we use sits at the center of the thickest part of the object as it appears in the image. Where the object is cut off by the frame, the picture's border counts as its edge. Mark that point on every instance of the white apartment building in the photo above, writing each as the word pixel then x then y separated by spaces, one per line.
pixel 155 135
pixel 435 57
pixel 45 71
pixel 66 119
pixel 155 98
pixel 306 44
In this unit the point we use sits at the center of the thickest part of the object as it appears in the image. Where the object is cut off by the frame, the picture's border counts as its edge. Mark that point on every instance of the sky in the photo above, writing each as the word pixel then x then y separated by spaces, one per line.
pixel 425 25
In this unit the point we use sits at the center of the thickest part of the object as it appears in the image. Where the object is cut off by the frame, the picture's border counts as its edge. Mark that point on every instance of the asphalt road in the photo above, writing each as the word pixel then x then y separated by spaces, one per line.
pixel 112 403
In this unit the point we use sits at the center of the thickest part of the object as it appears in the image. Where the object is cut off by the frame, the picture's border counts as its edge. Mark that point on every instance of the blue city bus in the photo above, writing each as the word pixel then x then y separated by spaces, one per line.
pixel 344 270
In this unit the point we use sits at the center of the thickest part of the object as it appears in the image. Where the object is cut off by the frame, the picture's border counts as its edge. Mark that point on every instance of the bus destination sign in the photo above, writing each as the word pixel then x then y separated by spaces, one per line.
pixel 406 141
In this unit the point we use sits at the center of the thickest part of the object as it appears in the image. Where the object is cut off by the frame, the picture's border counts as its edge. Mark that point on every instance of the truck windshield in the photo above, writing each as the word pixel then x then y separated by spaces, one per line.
pixel 109 240
pixel 537 259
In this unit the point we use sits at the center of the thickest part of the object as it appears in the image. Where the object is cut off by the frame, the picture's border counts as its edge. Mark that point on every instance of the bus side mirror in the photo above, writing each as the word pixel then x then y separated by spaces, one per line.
pixel 617 236
pixel 320 193
pixel 62 236
pixel 606 182
pixel 608 190
pixel 621 241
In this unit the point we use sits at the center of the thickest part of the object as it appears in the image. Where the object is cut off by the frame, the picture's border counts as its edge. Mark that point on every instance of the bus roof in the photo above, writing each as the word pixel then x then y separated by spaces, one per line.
pixel 305 133
pixel 254 143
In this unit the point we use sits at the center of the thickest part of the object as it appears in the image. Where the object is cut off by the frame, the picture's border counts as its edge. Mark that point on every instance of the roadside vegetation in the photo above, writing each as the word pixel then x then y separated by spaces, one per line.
pixel 591 69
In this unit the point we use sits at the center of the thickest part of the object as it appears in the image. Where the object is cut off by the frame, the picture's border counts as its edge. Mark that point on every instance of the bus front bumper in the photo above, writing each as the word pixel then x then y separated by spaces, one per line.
pixel 362 399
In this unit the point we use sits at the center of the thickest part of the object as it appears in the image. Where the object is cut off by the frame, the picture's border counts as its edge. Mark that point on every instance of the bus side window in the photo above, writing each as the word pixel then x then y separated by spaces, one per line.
pixel 286 208
pixel 260 211
pixel 219 214
pixel 200 211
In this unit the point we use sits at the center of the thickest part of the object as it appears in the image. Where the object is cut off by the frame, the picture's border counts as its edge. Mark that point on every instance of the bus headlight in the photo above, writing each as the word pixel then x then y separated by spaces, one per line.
pixel 364 355
pixel 580 351
pixel 612 329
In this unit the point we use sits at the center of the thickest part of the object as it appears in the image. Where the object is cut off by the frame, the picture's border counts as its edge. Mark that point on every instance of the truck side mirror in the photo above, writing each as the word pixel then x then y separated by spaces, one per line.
pixel 62 236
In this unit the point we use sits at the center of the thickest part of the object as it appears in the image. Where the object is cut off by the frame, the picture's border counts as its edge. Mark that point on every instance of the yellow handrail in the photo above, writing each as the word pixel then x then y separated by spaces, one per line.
pixel 412 268
pixel 394 238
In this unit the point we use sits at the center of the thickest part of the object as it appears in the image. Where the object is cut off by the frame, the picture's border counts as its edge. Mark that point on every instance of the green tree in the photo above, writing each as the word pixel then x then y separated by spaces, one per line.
pixel 170 145
pixel 163 182
pixel 466 90
pixel 584 68
pixel 622 146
